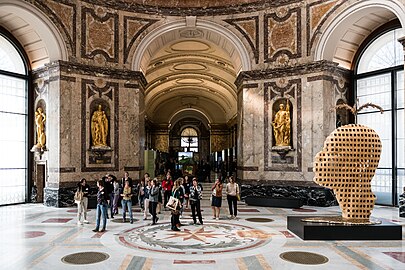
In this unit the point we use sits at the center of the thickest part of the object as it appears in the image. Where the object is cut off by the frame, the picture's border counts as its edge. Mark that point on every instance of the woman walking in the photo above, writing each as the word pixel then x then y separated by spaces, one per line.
pixel 186 191
pixel 82 186
pixel 146 198
pixel 153 200
pixel 232 193
pixel 195 198
pixel 178 194
pixel 116 193
pixel 216 198
pixel 102 207
pixel 127 202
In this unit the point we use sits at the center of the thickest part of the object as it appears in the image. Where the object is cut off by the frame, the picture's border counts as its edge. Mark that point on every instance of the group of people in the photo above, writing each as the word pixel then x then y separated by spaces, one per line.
pixel 151 195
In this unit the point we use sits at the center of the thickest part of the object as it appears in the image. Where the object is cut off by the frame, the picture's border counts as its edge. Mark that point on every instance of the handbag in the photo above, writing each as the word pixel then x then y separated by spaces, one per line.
pixel 78 196
pixel 173 203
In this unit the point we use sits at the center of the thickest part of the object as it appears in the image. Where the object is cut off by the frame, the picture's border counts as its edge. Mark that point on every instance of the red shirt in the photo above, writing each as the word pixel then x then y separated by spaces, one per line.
pixel 167 184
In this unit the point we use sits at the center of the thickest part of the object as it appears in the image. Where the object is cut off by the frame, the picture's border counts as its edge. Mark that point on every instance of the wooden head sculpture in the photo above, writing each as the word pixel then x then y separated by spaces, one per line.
pixel 346 164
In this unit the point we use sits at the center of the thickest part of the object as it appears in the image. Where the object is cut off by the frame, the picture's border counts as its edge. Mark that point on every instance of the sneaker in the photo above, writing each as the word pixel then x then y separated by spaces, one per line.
pixel 86 221
pixel 102 230
pixel 217 218
pixel 232 217
pixel 79 223
pixel 95 230
pixel 131 222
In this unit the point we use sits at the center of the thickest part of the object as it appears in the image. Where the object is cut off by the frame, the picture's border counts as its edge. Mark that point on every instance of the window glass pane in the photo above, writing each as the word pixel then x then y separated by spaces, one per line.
pixel 384 52
pixel 382 187
pixel 10 59
pixel 375 89
pixel 13 119
pixel 400 139
pixel 381 123
pixel 189 132
pixel 400 89
pixel 13 96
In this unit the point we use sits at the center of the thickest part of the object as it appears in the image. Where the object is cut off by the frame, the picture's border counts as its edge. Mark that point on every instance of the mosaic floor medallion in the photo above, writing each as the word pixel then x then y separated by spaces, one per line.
pixel 211 238
pixel 303 257
pixel 33 234
pixel 120 220
pixel 85 258
pixel 259 219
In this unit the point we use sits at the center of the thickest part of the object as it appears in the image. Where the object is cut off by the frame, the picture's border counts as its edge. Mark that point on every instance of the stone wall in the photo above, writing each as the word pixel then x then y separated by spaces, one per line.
pixel 102 37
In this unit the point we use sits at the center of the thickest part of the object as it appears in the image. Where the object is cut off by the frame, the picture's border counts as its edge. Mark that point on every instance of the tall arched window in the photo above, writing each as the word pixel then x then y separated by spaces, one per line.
pixel 13 122
pixel 379 79
pixel 189 140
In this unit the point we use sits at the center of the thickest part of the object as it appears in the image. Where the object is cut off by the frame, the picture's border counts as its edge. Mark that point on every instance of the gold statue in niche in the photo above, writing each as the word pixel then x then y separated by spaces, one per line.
pixel 99 127
pixel 40 119
pixel 281 125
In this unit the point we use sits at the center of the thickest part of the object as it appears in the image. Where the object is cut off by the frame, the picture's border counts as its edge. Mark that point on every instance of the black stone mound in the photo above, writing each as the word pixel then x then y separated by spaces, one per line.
pixel 308 195
pixel 274 202
pixel 324 231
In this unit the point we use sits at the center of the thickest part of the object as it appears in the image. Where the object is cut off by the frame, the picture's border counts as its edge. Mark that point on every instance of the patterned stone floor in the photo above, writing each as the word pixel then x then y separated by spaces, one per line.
pixel 37 237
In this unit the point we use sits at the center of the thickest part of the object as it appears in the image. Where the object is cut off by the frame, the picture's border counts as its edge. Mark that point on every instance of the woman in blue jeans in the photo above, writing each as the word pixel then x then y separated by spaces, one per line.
pixel 102 206
pixel 126 201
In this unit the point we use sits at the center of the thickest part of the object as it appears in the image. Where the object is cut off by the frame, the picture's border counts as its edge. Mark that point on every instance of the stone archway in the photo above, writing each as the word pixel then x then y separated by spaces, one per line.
pixel 44 43
pixel 343 34
pixel 191 67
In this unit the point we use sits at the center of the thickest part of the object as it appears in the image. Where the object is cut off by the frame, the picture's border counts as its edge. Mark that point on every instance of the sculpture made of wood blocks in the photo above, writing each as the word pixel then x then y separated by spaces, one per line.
pixel 347 164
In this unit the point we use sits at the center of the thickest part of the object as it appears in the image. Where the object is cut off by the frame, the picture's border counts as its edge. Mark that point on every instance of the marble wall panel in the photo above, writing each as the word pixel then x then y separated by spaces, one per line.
pixel 282 34
pixel 63 14
pixel 99 35
pixel 316 14
pixel 249 28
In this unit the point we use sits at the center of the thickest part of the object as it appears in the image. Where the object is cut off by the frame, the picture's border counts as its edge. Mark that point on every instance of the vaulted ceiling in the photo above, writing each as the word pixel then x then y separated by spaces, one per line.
pixel 190 74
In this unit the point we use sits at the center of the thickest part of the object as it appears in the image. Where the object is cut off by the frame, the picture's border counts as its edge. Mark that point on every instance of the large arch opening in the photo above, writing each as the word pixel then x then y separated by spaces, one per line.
pixel 191 71
pixel 363 38
pixel 35 32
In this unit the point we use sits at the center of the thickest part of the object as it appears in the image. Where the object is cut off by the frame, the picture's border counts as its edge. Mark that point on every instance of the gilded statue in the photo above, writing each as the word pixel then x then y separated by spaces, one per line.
pixel 40 119
pixel 99 127
pixel 281 126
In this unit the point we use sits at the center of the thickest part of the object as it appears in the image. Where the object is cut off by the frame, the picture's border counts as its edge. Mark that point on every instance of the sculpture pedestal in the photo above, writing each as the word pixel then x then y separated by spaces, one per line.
pixel 324 231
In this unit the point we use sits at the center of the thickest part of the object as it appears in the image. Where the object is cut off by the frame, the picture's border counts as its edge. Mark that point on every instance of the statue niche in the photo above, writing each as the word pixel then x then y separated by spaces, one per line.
pixel 282 125
pixel 99 128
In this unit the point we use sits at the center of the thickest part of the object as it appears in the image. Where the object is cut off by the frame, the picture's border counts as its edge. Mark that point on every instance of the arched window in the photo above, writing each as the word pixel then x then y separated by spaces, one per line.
pixel 379 79
pixel 189 140
pixel 13 122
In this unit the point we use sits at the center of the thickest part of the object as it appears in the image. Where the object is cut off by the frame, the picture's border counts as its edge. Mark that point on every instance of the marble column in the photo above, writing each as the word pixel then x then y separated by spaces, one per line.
pixel 72 92
pixel 312 90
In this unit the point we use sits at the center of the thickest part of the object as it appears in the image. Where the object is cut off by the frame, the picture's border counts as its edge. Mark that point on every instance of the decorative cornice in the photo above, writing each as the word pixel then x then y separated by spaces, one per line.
pixel 188 11
pixel 319 66
pixel 96 71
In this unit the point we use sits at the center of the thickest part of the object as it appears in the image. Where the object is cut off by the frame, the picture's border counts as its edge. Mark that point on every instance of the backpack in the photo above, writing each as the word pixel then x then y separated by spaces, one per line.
pixel 78 196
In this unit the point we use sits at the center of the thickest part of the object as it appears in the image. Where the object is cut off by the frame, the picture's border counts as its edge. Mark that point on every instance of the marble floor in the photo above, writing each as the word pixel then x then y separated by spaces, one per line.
pixel 37 237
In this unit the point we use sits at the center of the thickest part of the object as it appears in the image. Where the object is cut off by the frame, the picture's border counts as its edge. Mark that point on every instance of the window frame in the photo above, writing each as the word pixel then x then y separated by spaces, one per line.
pixel 393 71
pixel 29 136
